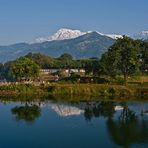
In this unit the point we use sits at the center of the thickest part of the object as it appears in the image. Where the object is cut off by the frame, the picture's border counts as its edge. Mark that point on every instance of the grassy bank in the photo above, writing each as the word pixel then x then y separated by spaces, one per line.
pixel 105 91
pixel 98 90
pixel 15 90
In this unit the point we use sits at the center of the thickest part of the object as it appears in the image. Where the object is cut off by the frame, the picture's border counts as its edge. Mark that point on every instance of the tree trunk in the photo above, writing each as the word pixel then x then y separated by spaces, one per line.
pixel 125 77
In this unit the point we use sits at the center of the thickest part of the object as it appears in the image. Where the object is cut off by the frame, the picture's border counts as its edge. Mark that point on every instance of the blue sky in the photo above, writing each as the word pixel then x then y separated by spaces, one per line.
pixel 24 20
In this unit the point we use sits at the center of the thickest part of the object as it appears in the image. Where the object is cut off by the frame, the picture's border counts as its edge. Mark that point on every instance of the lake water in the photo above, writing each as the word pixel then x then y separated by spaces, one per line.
pixel 51 124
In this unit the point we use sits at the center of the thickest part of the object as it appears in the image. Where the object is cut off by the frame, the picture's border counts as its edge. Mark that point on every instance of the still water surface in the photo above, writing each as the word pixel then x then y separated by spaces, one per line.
pixel 51 124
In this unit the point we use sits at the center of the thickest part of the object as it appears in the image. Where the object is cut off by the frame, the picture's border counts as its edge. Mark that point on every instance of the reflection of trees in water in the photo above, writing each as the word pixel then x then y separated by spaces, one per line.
pixel 105 109
pixel 27 113
pixel 125 128
pixel 127 115
pixel 128 129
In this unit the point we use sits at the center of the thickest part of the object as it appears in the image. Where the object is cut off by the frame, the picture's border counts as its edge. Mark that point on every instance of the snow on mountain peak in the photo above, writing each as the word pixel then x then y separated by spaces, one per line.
pixel 62 34
pixel 145 32
pixel 141 35
pixel 113 36
pixel 65 33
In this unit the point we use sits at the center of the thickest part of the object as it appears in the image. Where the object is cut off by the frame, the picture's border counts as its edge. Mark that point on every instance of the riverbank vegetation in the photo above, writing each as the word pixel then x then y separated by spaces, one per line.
pixel 98 91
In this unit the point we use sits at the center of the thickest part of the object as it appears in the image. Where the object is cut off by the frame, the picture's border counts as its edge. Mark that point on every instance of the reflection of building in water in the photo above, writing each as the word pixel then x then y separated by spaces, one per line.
pixel 65 110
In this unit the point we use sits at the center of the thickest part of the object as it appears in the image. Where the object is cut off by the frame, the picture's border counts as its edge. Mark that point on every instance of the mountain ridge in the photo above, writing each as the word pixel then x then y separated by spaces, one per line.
pixel 85 46
pixel 65 33
pixel 78 44
pixel 141 35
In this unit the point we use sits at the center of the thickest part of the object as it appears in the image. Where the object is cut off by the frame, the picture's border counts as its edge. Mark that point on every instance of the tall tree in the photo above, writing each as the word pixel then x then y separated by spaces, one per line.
pixel 24 68
pixel 66 56
pixel 44 61
pixel 1 70
pixel 64 61
pixel 144 57
pixel 122 57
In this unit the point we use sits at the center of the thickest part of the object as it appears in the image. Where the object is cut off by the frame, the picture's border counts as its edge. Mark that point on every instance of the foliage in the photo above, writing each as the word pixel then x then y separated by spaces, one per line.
pixel 27 113
pixel 94 90
pixel 122 58
pixel 24 68
pixel 20 88
pixel 43 61
pixel 1 71
pixel 64 61
pixel 6 70
pixel 65 57
pixel 144 57
pixel 127 57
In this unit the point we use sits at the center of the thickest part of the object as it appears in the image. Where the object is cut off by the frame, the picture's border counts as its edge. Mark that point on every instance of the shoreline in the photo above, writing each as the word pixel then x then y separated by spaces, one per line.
pixel 88 91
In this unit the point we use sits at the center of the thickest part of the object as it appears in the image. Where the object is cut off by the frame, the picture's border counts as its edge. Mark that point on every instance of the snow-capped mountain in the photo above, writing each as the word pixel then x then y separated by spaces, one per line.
pixel 64 33
pixel 113 36
pixel 78 47
pixel 142 35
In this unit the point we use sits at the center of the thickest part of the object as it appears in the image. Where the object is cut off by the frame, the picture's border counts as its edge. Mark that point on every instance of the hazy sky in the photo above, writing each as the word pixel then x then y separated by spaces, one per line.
pixel 24 20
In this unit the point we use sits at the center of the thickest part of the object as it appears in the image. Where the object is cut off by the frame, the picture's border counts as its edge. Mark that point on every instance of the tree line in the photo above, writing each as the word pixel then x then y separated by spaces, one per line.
pixel 127 57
